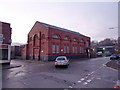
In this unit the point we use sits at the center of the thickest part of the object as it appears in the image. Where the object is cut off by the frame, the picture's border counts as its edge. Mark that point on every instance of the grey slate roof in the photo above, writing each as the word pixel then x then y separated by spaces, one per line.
pixel 62 29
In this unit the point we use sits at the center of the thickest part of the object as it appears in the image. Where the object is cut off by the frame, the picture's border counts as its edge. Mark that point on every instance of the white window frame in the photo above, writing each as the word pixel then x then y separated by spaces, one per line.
pixel 56 36
pixel 53 48
pixel 68 49
pixel 65 51
pixel 87 44
pixel 57 48
pixel 66 38
pixel 75 49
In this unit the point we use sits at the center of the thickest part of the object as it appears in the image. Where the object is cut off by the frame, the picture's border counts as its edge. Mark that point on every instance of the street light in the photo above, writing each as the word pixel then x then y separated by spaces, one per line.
pixel 104 49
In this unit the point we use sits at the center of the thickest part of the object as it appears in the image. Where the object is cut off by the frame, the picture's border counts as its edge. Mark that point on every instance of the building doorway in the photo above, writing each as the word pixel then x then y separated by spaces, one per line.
pixel 36 53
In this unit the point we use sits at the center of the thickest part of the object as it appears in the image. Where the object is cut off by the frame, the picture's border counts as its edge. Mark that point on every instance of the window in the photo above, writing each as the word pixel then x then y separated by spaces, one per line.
pixel 66 38
pixel 74 39
pixel 30 38
pixel 87 44
pixel 35 40
pixel 81 40
pixel 55 36
pixel 61 59
pixel 74 49
pixel 36 36
pixel 81 50
pixel 43 36
pixel 66 49
pixel 55 48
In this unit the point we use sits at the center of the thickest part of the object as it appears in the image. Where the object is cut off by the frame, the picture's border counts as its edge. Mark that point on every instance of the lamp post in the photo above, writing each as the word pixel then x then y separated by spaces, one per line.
pixel 118 41
pixel 104 51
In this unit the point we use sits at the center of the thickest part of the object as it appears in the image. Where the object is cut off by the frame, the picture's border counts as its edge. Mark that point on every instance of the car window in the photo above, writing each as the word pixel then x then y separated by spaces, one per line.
pixel 60 58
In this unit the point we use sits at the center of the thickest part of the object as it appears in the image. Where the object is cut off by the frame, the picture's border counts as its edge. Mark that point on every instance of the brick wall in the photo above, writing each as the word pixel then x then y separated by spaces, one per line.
pixel 40 41
pixel 6 31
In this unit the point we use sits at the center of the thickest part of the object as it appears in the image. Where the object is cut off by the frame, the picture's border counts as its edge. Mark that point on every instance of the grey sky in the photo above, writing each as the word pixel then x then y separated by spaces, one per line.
pixel 89 18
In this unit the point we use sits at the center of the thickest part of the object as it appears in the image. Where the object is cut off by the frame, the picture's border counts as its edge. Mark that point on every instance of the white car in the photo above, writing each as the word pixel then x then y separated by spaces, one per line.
pixel 99 53
pixel 61 61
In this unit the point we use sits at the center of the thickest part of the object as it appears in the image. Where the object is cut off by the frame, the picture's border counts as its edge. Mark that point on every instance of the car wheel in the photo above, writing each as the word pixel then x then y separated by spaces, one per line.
pixel 66 66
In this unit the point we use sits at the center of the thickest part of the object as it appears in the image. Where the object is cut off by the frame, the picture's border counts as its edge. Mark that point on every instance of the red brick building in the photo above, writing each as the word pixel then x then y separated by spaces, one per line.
pixel 46 42
pixel 5 39
pixel 5 32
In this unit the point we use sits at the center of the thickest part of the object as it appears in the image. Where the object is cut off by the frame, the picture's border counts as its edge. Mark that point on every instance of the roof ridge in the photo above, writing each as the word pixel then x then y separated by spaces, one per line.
pixel 63 29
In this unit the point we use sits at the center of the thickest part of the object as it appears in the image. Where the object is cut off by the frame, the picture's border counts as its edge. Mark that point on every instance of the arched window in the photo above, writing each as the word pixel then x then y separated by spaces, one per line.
pixel 66 38
pixel 35 39
pixel 74 39
pixel 55 36
pixel 43 36
pixel 81 40
pixel 30 39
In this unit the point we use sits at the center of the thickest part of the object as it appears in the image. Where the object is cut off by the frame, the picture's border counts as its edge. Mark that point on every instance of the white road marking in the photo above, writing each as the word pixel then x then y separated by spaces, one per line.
pixel 89 80
pixel 82 79
pixel 86 77
pixel 79 81
pixel 85 83
pixel 70 86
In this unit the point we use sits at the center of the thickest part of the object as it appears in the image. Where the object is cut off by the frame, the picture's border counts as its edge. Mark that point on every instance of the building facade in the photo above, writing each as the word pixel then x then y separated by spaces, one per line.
pixel 5 40
pixel 46 42
pixel 16 52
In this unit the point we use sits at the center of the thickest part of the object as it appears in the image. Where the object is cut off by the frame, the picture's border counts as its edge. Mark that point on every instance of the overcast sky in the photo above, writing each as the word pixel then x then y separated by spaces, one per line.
pixel 89 18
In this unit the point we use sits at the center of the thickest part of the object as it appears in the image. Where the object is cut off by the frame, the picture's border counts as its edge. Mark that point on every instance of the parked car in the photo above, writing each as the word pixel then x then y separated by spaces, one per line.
pixel 114 57
pixel 119 56
pixel 117 85
pixel 107 53
pixel 99 54
pixel 61 61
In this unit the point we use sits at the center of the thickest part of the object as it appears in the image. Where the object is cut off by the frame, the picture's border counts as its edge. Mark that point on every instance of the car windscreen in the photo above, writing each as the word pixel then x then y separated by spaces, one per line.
pixel 60 58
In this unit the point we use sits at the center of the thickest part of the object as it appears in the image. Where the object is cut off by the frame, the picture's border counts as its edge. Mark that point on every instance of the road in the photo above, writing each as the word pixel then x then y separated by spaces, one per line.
pixel 83 73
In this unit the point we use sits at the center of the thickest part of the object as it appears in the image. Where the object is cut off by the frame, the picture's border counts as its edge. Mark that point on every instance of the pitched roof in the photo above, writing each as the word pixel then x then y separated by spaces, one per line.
pixel 62 29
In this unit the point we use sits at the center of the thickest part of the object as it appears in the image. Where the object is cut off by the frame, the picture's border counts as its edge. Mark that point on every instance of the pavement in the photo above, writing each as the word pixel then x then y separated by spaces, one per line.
pixel 9 66
pixel 115 64
pixel 81 73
